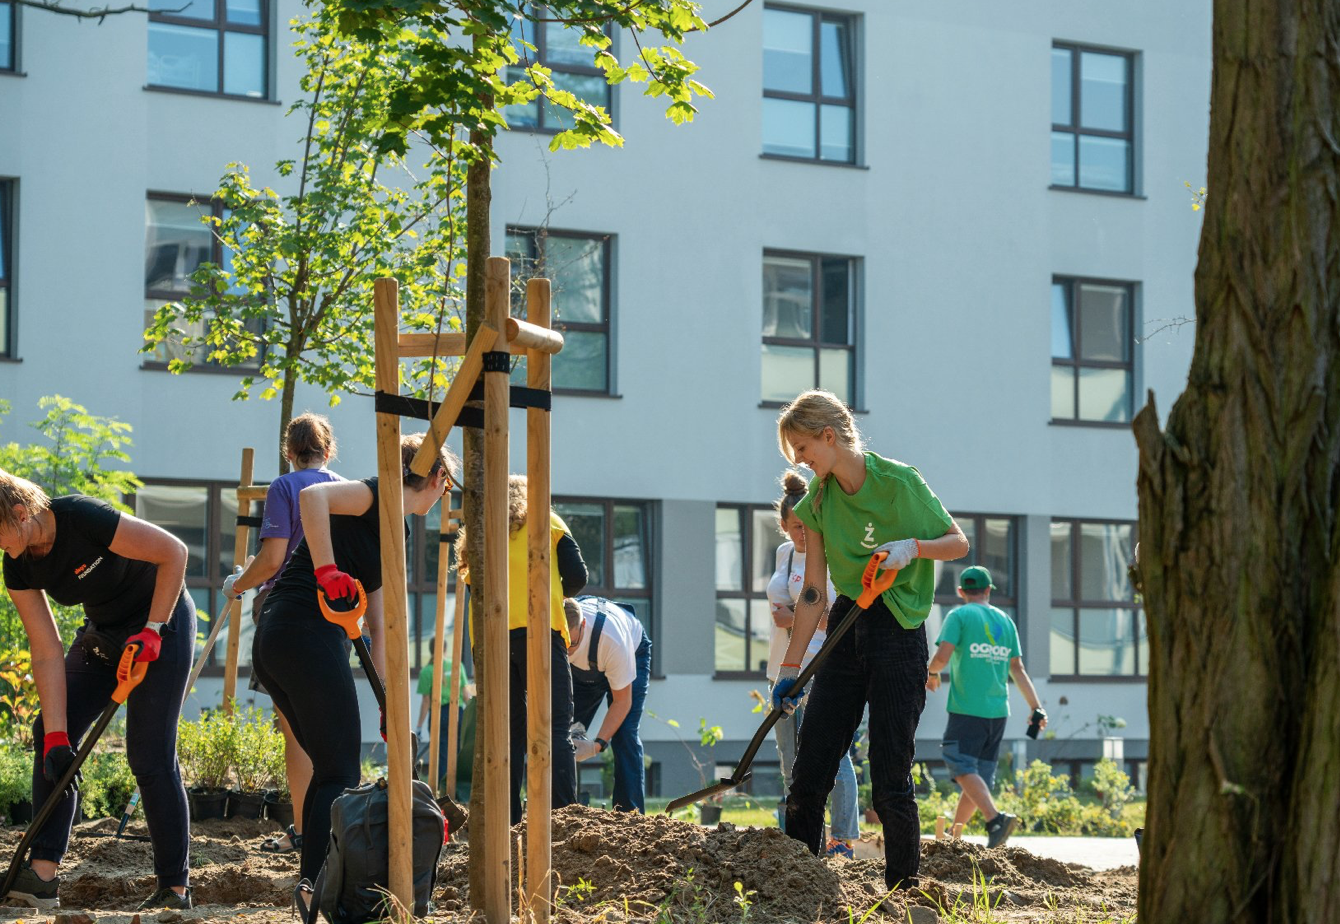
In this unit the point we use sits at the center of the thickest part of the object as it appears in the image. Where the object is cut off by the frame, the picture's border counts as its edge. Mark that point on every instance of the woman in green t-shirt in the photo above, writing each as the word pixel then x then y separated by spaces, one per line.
pixel 860 503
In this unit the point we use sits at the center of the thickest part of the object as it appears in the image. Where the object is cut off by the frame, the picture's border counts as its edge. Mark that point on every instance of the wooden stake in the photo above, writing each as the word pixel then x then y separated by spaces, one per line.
pixel 940 828
pixel 395 607
pixel 439 642
pixel 234 607
pixel 539 699
pixel 453 708
pixel 497 744
pixel 533 336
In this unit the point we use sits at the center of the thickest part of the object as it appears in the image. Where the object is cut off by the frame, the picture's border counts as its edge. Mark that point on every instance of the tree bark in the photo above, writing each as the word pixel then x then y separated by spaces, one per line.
pixel 285 415
pixel 1239 530
pixel 477 202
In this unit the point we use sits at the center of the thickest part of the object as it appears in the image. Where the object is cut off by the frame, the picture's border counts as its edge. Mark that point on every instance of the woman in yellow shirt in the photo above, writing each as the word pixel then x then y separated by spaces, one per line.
pixel 568 578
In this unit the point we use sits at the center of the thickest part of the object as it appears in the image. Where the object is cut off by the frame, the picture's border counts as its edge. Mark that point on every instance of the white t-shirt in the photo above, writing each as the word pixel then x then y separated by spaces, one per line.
pixel 784 589
pixel 619 641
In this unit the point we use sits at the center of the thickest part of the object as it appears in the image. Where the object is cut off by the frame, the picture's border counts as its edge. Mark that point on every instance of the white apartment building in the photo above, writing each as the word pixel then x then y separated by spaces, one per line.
pixel 965 217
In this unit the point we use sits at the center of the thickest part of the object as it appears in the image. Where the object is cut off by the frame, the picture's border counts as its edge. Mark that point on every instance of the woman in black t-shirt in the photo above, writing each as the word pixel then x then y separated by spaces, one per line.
pixel 302 659
pixel 128 575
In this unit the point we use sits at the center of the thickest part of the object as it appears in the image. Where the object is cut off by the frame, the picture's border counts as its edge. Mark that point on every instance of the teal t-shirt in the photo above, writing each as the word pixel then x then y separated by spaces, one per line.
pixel 893 503
pixel 426 681
pixel 984 640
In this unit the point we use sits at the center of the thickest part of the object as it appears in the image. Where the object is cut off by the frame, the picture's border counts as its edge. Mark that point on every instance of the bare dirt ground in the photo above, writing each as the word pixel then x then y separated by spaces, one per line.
pixel 609 868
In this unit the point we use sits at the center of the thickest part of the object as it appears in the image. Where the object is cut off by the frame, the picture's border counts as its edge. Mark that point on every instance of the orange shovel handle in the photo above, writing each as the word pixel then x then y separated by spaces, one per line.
pixel 873 583
pixel 346 619
pixel 129 673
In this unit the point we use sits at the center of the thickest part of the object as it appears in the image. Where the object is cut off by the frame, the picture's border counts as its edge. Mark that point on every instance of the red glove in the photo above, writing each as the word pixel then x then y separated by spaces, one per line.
pixel 149 641
pixel 335 584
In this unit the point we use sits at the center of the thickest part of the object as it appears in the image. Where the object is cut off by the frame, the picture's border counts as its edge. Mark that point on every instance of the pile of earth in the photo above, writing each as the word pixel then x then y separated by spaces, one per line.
pixel 608 868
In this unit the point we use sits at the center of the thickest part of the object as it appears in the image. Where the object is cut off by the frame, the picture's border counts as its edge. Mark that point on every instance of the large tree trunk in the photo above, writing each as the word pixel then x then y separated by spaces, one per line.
pixel 1239 530
pixel 477 201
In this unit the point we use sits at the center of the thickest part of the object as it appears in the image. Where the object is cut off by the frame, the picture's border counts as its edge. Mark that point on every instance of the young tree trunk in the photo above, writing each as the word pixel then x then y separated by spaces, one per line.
pixel 1239 522
pixel 285 415
pixel 477 201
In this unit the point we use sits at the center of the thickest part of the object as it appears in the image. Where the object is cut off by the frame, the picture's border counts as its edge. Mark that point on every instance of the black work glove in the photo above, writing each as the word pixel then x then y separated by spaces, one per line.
pixel 59 759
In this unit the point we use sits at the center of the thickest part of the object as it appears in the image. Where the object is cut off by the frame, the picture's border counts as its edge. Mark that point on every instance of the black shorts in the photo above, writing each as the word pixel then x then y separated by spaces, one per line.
pixel 971 745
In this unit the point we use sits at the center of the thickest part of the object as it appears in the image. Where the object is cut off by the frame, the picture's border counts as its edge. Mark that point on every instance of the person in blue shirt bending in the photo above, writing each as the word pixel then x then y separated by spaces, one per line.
pixel 980 645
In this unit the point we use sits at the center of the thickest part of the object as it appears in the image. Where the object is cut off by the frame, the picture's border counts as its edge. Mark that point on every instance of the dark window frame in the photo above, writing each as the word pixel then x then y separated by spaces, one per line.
pixel 538 12
pixel 948 601
pixel 1076 363
pixel 817 18
pixel 815 343
pixel 643 599
pixel 201 367
pixel 1076 129
pixel 606 297
pixel 8 221
pixel 1076 603
pixel 746 513
pixel 221 25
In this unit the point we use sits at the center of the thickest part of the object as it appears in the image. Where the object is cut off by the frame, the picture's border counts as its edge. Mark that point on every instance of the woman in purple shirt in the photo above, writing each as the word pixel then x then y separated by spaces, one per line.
pixel 309 444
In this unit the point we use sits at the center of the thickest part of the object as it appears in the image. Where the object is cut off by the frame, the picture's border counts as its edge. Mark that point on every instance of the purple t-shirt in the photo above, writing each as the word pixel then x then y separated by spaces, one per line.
pixel 282 518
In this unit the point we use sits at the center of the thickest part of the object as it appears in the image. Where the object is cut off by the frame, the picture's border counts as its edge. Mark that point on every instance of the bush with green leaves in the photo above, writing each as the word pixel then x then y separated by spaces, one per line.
pixel 207 749
pixel 16 774
pixel 258 750
pixel 107 786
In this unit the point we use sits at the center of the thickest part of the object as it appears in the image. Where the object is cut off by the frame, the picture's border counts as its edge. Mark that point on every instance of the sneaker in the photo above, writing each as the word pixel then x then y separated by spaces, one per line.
pixel 34 891
pixel 837 848
pixel 999 829
pixel 166 898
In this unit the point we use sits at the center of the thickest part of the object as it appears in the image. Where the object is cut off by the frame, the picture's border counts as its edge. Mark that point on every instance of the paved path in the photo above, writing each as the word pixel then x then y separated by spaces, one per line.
pixel 1094 852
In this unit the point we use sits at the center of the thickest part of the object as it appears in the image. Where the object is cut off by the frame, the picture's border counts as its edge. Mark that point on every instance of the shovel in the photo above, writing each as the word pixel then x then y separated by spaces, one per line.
pixel 129 673
pixel 873 584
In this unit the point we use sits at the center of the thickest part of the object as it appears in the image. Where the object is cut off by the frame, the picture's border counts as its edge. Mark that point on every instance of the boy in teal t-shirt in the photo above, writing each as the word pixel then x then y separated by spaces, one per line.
pixel 980 644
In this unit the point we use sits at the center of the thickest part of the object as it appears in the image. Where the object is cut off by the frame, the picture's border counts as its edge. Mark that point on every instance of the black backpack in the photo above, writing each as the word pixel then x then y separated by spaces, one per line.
pixel 350 887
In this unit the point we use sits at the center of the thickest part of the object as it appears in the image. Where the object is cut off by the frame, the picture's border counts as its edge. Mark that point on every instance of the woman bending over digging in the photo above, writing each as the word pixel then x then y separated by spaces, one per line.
pixel 860 503
pixel 129 577
pixel 302 659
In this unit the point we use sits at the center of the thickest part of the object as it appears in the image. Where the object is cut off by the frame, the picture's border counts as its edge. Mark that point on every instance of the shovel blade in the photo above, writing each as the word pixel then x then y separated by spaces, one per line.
pixel 719 786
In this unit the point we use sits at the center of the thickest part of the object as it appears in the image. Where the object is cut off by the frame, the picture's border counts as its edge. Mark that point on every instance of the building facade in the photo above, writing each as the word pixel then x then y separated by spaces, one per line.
pixel 970 220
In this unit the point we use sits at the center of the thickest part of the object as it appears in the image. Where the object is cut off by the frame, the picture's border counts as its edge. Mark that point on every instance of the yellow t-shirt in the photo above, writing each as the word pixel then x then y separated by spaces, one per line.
pixel 518 576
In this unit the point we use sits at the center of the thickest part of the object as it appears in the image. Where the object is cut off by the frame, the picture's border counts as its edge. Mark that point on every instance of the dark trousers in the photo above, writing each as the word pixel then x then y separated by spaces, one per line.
pixel 630 772
pixel 304 664
pixel 564 758
pixel 442 738
pixel 153 710
pixel 880 663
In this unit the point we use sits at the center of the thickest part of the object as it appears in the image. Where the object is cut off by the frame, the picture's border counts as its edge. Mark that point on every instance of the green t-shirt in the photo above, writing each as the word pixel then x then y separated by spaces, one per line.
pixel 984 640
pixel 893 503
pixel 426 680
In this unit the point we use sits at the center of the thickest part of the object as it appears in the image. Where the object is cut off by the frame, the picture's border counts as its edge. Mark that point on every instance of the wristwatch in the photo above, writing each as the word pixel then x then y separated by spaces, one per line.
pixel 603 744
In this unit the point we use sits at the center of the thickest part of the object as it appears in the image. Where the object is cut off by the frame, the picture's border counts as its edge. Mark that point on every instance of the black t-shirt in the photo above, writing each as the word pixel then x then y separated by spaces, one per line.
pixel 115 591
pixel 356 542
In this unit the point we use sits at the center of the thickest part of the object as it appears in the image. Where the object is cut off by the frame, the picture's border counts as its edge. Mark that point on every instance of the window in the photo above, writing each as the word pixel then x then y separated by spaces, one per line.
pixel 9 34
pixel 994 544
pixel 1092 364
pixel 578 266
pixel 615 538
pixel 176 243
pixel 1093 140
pixel 211 46
pixel 7 221
pixel 746 556
pixel 1097 628
pixel 571 65
pixel 809 85
pixel 809 325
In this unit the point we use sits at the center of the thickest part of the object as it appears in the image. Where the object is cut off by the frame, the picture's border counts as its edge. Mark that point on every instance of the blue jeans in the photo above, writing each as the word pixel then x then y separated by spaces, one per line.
pixel 153 710
pixel 843 805
pixel 630 772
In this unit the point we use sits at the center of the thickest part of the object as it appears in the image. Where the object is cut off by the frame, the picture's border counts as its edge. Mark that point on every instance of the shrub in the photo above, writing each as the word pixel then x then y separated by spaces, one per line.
pixel 207 749
pixel 108 784
pixel 16 774
pixel 258 747
pixel 18 696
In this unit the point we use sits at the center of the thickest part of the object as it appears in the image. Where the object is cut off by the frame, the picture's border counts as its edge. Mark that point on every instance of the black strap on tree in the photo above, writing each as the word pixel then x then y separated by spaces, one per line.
pixel 257 522
pixel 420 409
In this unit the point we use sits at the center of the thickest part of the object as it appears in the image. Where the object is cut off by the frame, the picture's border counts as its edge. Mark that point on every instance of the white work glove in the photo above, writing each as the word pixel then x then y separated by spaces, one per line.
pixel 785 696
pixel 585 750
pixel 577 732
pixel 228 583
pixel 900 554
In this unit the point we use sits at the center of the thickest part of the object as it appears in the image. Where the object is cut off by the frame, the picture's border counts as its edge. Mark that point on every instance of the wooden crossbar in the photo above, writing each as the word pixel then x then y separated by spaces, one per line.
pixel 422 346
pixel 533 337
pixel 455 399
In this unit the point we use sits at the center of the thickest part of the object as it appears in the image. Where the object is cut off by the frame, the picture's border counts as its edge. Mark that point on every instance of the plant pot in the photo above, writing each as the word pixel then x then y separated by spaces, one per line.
pixel 245 804
pixel 709 813
pixel 207 803
pixel 278 810
pixel 19 813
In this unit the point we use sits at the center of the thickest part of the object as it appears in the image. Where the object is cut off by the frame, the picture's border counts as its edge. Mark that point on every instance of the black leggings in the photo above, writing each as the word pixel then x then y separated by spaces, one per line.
pixel 564 761
pixel 304 664
pixel 153 710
